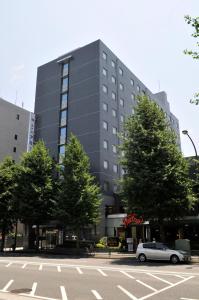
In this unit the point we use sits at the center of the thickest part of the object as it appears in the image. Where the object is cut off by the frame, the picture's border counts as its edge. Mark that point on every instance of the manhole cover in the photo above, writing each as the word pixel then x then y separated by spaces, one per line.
pixel 19 291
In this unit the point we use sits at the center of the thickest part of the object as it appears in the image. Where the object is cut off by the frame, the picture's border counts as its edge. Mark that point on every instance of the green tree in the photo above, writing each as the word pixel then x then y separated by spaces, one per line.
pixel 156 180
pixel 194 22
pixel 79 196
pixel 7 186
pixel 35 190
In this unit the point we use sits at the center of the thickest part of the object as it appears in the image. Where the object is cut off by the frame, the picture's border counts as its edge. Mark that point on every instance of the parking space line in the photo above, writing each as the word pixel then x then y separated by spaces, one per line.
pixel 58 269
pixel 128 275
pixel 104 274
pixel 161 279
pixel 127 293
pixel 34 286
pixel 97 295
pixel 7 285
pixel 148 286
pixel 9 264
pixel 40 267
pixel 180 276
pixel 23 267
pixel 79 270
pixel 166 288
pixel 63 293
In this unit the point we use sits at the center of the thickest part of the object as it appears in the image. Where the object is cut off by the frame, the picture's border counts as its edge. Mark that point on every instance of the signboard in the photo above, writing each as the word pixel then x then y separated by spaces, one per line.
pixel 132 218
pixel 112 241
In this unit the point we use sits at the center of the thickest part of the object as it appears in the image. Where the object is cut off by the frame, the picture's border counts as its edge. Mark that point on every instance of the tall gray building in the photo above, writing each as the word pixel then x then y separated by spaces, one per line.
pixel 90 92
pixel 16 130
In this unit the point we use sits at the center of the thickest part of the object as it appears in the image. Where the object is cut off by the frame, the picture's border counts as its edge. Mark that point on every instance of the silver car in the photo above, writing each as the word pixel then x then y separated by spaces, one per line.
pixel 159 251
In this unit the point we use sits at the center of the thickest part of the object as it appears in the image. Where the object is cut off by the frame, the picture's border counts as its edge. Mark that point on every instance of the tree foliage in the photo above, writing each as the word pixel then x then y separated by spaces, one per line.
pixel 194 22
pixel 79 196
pixel 7 186
pixel 156 180
pixel 35 186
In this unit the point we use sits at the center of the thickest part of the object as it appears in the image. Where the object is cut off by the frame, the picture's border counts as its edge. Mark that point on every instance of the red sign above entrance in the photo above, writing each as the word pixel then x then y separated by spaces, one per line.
pixel 132 218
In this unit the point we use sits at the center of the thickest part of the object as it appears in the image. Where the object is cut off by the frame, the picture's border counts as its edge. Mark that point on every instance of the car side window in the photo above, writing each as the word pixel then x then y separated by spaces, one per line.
pixel 149 246
pixel 159 246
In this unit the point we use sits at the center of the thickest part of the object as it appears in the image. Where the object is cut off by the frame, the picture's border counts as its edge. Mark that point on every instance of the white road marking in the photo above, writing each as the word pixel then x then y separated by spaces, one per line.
pixel 63 293
pixel 97 295
pixel 23 267
pixel 148 286
pixel 128 275
pixel 127 292
pixel 9 264
pixel 104 274
pixel 7 286
pixel 166 288
pixel 40 267
pixel 37 297
pixel 34 286
pixel 161 279
pixel 188 299
pixel 58 269
pixel 180 276
pixel 79 270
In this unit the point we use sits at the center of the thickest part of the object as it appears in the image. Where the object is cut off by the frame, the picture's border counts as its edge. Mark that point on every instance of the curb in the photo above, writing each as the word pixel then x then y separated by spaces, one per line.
pixel 10 296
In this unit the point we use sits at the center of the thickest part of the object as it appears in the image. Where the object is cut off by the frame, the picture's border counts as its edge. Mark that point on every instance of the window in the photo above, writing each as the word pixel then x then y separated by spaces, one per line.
pixel 64 84
pixel 105 125
pixel 122 118
pixel 113 79
pixel 17 116
pixel 114 148
pixel 113 64
pixel 122 102
pixel 138 88
pixel 65 70
pixel 64 100
pixel 133 97
pixel 105 164
pixel 105 89
pixel 16 136
pixel 114 113
pixel 120 71
pixel 105 72
pixel 62 136
pixel 114 130
pixel 63 118
pixel 105 106
pixel 105 144
pixel 14 149
pixel 106 186
pixel 121 87
pixel 113 96
pixel 61 153
pixel 115 168
pixel 132 82
pixel 104 56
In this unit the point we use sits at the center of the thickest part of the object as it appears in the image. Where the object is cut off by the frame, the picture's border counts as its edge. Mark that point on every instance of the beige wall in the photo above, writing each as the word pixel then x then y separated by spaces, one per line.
pixel 9 126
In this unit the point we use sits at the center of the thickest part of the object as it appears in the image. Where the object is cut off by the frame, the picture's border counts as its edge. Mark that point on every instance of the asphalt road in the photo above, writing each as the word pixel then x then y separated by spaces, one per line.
pixel 91 278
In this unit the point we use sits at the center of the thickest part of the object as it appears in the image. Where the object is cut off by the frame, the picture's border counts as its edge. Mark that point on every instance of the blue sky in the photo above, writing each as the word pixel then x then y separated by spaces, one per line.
pixel 148 36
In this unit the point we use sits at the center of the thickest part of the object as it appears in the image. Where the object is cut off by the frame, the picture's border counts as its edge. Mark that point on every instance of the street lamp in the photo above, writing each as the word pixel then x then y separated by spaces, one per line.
pixel 186 133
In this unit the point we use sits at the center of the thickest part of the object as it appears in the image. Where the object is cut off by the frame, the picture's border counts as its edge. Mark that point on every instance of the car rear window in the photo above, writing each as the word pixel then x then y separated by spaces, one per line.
pixel 149 245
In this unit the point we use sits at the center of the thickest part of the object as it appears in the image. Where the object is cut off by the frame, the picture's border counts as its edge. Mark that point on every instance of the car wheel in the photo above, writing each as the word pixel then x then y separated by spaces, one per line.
pixel 142 257
pixel 174 259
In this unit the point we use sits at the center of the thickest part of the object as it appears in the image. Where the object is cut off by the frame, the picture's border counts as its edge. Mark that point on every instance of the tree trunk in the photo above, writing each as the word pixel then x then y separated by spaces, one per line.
pixel 77 240
pixel 31 237
pixel 162 233
pixel 3 234
pixel 37 237
pixel 15 237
